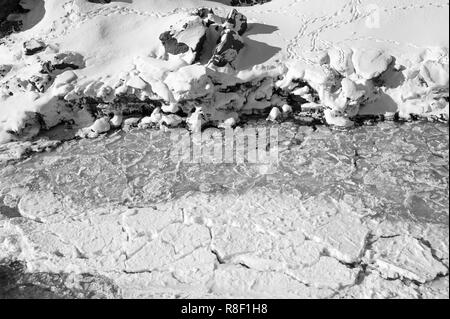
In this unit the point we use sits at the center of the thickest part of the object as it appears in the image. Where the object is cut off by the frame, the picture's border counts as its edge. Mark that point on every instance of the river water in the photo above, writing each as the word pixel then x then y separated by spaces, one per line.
pixel 398 170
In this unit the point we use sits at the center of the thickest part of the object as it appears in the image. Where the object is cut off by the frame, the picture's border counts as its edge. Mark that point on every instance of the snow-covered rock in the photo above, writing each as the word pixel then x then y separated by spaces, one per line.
pixel 155 117
pixel 208 16
pixel 116 121
pixel 243 3
pixel 33 46
pixel 100 1
pixel 274 115
pixel 370 64
pixel 100 126
pixel 171 120
pixel 287 109
pixel 228 49
pixel 185 39
pixel 312 107
pixel 40 83
pixel 435 74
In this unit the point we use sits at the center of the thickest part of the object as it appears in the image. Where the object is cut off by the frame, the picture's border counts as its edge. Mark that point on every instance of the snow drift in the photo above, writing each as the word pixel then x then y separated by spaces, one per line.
pixel 95 63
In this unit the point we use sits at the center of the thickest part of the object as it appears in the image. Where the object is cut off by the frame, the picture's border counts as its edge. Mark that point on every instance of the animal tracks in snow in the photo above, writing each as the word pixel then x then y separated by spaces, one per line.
pixel 311 29
pixel 311 25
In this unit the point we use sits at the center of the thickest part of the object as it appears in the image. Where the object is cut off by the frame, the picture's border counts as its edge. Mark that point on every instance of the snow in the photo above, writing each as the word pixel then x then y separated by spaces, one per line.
pixel 104 208
pixel 122 55
pixel 326 225
pixel 100 126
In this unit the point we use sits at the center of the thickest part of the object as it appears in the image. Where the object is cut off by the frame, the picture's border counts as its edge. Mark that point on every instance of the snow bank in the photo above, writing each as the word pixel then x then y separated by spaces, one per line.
pixel 102 61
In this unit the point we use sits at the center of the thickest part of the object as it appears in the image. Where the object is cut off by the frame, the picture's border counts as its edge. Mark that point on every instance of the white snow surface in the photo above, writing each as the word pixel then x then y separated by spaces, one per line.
pixel 402 42
pixel 263 244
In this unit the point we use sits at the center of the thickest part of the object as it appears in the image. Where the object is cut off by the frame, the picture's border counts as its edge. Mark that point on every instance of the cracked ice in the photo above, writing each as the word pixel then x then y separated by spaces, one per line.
pixel 333 231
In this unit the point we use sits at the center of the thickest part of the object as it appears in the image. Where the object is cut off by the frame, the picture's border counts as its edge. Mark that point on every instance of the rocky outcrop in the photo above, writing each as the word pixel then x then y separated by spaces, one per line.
pixel 228 49
pixel 186 39
pixel 40 83
pixel 33 46
pixel 208 16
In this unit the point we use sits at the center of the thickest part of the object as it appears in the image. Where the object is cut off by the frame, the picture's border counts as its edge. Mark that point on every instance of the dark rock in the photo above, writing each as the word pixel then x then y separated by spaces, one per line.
pixel 8 7
pixel 100 1
pixel 186 39
pixel 237 22
pixel 68 60
pixel 41 82
pixel 62 62
pixel 171 44
pixel 33 46
pixel 208 16
pixel 228 49
pixel 4 69
pixel 247 3
pixel 8 27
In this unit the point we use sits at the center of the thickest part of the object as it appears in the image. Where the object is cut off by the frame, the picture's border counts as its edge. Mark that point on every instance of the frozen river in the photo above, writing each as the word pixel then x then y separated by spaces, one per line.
pixel 119 209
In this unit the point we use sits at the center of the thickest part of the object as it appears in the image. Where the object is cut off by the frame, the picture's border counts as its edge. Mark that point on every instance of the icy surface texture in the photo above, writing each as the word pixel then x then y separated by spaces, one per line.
pixel 346 214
